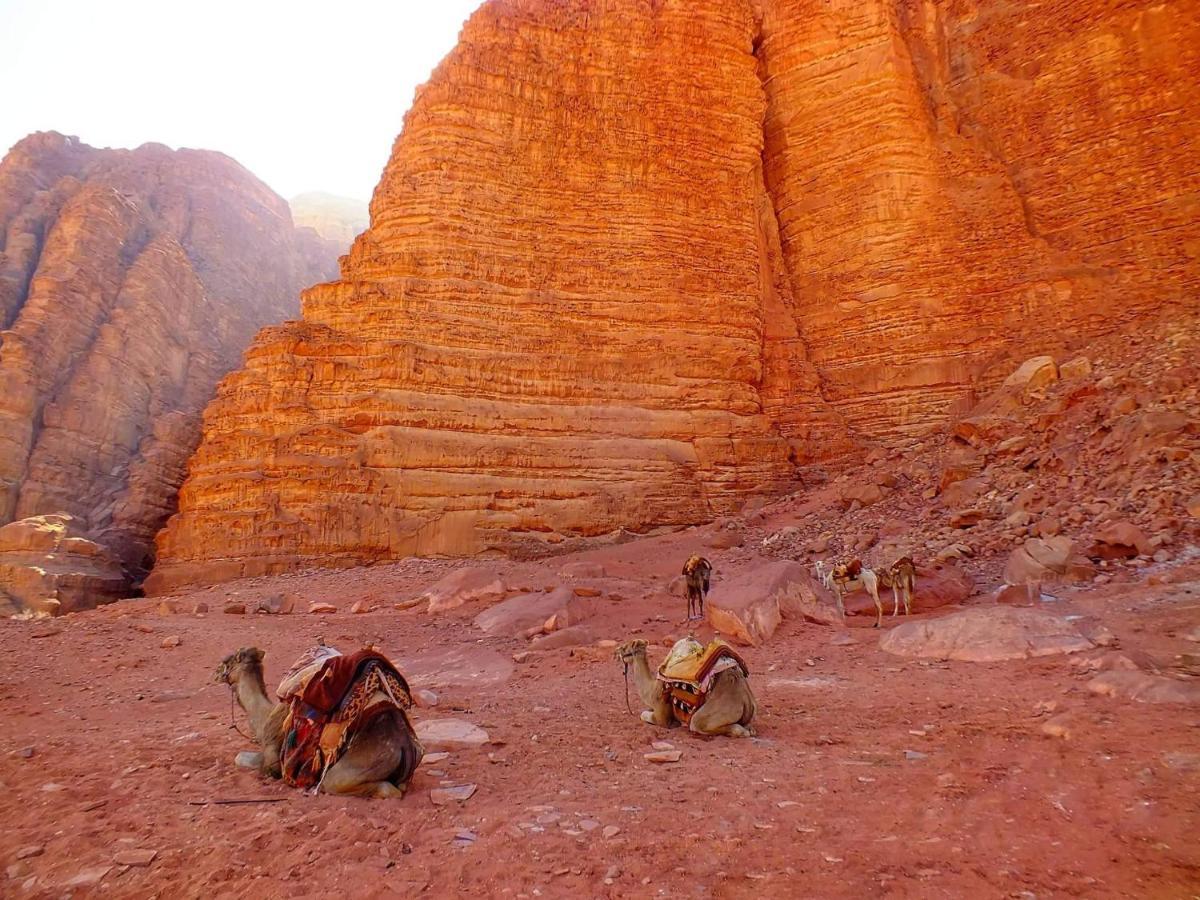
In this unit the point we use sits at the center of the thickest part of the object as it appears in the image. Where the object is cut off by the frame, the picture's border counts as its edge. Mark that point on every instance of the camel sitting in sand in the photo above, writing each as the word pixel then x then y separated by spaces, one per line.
pixel 375 760
pixel 704 689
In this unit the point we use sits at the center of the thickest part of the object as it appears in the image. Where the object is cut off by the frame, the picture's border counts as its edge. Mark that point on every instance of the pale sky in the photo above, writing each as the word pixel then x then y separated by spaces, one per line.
pixel 307 95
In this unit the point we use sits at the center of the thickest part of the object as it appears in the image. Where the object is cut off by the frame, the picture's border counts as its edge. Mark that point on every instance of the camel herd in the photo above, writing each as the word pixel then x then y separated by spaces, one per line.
pixel 341 726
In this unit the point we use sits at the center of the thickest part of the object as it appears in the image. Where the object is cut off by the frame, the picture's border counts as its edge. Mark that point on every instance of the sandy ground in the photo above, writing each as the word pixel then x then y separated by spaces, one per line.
pixel 871 776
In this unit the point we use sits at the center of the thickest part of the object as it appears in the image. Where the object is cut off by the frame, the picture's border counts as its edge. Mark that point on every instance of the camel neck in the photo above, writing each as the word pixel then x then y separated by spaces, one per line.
pixel 252 696
pixel 644 678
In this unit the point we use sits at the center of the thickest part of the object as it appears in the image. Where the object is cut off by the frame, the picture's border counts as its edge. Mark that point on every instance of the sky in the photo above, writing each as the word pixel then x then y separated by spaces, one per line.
pixel 306 94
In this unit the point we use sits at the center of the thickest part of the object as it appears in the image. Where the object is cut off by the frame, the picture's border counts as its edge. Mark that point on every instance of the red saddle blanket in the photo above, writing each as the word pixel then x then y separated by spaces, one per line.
pixel 340 699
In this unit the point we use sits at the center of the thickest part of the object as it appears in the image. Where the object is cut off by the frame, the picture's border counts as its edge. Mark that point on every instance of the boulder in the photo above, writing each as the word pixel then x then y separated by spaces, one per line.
pixel 982 430
pixel 1120 540
pixel 516 615
pixel 864 494
pixel 986 634
pixel 726 539
pixel 48 568
pixel 749 605
pixel 466 585
pixel 1079 367
pixel 1034 373
pixel 1145 688
pixel 571 636
pixel 963 492
pixel 1046 560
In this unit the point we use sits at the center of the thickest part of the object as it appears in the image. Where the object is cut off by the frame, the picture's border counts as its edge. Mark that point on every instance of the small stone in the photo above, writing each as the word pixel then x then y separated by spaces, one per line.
pixel 172 641
pixel 360 607
pixel 915 754
pixel 200 609
pixel 321 609
pixel 168 607
pixel 135 857
pixel 31 851
pixel 521 657
pixel 612 874
pixel 465 838
pixel 589 824
pixel 27 752
pixel 610 831
pixel 663 756
pixel 248 759
pixel 89 877
pixel 234 609
pixel 425 698
pixel 663 745
pixel 946 779
pixel 1058 727
pixel 458 793
pixel 586 592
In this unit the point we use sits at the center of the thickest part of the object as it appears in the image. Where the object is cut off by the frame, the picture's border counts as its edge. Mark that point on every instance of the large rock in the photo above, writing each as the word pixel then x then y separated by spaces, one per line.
pixel 986 634
pixel 449 734
pixel 1120 540
pixel 462 586
pixel 1145 687
pixel 130 283
pixel 463 666
pixel 1047 560
pixel 705 269
pixel 48 568
pixel 748 605
pixel 517 615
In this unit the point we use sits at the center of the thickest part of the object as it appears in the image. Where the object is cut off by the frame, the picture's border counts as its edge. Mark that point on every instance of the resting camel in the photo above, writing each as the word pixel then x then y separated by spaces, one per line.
pixel 378 761
pixel 698 572
pixel 717 704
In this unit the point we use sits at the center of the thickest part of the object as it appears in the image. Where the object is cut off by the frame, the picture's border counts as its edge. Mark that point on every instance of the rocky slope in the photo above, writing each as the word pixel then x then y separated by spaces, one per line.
pixel 130 282
pixel 631 263
pixel 337 219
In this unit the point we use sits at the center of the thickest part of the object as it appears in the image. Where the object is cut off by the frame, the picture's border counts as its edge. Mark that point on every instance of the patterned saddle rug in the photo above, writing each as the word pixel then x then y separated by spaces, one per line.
pixel 332 697
pixel 689 671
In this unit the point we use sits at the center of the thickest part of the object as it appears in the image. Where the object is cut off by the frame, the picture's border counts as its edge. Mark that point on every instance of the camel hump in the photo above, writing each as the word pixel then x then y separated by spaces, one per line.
pixel 696 563
pixel 692 662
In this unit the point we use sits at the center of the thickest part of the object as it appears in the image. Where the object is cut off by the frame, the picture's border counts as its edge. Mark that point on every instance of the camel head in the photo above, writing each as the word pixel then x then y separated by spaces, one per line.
pixel 629 651
pixel 235 665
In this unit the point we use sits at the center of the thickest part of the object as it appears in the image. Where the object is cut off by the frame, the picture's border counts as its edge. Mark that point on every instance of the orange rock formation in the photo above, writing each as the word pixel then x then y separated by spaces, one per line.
pixel 630 262
pixel 130 282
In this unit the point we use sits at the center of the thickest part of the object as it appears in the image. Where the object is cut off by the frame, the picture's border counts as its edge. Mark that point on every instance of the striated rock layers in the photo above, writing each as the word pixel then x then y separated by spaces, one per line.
pixel 631 261
pixel 130 282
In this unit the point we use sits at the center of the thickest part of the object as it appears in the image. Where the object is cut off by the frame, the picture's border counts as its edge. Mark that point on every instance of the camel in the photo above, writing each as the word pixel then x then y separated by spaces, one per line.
pixel 727 707
pixel 698 572
pixel 378 762
pixel 851 576
pixel 901 577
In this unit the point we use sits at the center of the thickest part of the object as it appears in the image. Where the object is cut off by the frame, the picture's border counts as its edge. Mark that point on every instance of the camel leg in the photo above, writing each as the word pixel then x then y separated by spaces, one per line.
pixel 841 607
pixel 878 608
pixel 384 750
pixel 708 720
pixel 896 601
pixel 660 713
pixel 908 589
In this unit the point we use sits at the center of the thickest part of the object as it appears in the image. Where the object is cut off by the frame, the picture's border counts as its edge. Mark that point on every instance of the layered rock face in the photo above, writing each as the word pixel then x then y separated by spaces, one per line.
pixel 630 262
pixel 130 282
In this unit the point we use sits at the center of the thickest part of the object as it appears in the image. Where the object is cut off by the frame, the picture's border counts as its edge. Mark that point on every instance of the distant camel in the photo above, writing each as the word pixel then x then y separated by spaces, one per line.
pixel 698 572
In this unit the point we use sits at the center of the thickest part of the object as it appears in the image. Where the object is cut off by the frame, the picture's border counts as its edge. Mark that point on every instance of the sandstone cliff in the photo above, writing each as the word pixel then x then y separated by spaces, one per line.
pixel 130 282
pixel 630 262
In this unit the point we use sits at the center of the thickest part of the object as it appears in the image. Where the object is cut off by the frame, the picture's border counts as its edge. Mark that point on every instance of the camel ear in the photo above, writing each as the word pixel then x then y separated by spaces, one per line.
pixel 257 654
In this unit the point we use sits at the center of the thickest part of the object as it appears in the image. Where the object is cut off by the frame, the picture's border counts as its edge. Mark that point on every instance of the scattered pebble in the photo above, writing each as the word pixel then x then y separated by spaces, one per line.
pixel 31 851
pixel 444 796
pixel 135 857
pixel 663 756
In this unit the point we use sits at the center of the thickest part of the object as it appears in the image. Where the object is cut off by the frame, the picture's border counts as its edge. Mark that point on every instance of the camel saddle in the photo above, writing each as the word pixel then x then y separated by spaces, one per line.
pixel 689 671
pixel 331 698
